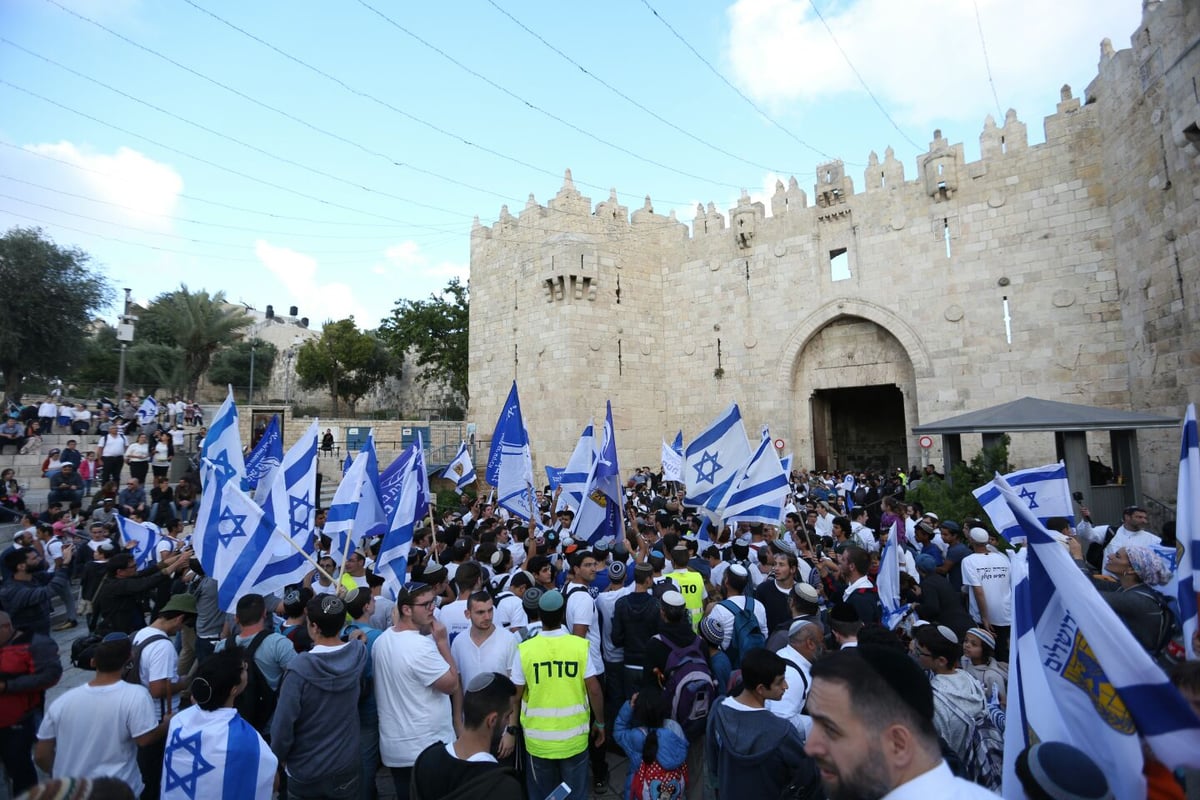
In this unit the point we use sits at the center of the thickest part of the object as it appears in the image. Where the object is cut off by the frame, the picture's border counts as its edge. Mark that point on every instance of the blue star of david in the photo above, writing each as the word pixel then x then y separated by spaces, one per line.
pixel 711 475
pixel 238 521
pixel 185 782
pixel 224 468
pixel 299 520
pixel 1030 496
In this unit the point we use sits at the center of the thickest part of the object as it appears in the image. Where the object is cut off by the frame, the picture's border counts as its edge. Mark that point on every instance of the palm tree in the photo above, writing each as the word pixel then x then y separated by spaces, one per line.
pixel 200 324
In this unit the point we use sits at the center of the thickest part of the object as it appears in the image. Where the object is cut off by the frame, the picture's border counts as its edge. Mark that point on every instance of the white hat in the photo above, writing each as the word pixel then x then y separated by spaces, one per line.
pixel 979 536
pixel 673 598
pixel 739 570
pixel 931 515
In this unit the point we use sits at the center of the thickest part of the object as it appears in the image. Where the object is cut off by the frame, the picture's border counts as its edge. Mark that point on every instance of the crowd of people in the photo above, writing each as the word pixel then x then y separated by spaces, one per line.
pixel 724 662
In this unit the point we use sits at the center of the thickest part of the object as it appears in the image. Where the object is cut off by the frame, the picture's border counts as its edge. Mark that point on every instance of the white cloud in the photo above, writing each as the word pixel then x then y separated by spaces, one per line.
pixel 923 58
pixel 406 260
pixel 297 273
pixel 147 189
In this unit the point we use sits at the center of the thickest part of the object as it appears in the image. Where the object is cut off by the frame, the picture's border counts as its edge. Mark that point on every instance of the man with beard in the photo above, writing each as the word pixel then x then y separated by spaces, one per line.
pixel 873 733
pixel 467 767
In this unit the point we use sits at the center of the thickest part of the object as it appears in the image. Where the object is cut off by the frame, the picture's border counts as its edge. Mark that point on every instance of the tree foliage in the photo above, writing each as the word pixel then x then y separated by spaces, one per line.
pixel 953 500
pixel 50 297
pixel 199 324
pixel 346 361
pixel 435 330
pixel 232 364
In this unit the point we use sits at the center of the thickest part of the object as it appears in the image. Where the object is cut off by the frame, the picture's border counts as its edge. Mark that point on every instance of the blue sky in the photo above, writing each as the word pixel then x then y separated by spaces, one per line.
pixel 238 167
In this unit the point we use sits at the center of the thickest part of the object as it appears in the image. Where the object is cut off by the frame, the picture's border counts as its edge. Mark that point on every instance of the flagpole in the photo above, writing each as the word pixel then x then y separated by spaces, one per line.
pixel 307 557
pixel 346 549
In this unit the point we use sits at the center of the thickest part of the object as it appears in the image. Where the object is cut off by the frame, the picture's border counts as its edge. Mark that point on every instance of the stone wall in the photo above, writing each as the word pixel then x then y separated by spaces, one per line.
pixel 1085 243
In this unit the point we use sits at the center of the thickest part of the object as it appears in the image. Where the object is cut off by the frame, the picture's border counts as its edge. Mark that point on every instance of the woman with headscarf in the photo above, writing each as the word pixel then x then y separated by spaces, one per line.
pixel 1131 594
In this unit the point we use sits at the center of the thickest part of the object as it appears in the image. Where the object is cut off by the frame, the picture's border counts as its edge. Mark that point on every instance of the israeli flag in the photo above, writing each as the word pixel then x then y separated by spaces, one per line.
pixel 600 513
pixel 848 486
pixel 370 519
pixel 216 754
pixel 148 411
pixel 759 490
pixel 1187 529
pixel 391 479
pixel 392 559
pixel 266 456
pixel 289 496
pixel 1077 675
pixel 672 463
pixel 1043 490
pixel 888 582
pixel 510 465
pixel 234 547
pixel 714 459
pixel 461 470
pixel 144 537
pixel 222 445
pixel 340 519
pixel 573 478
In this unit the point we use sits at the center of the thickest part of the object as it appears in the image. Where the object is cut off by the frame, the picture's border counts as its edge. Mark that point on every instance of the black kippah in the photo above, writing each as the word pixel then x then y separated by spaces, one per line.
pixel 903 675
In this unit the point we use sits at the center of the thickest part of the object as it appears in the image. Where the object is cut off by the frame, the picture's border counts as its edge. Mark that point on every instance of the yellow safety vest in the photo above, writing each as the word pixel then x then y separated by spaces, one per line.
pixel 691 586
pixel 554 710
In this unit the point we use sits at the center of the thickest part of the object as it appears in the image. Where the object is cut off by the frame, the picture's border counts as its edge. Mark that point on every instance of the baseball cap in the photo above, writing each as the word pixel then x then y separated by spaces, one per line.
pixel 180 602
pixel 951 525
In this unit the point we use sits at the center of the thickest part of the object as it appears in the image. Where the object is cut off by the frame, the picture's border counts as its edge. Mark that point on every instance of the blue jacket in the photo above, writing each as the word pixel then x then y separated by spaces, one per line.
pixel 672 744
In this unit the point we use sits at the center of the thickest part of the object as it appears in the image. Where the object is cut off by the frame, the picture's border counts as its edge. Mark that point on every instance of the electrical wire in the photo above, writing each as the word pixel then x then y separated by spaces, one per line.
pixel 986 61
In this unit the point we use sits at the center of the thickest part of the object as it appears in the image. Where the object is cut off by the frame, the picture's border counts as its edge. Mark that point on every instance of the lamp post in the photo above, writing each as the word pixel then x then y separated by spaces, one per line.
pixel 124 335
pixel 250 394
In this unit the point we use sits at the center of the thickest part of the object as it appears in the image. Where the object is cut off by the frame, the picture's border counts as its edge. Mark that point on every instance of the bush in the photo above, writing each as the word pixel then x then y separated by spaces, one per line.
pixel 953 499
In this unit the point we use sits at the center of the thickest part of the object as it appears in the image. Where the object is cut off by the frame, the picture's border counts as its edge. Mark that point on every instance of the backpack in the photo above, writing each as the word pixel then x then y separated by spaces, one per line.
pixel 653 781
pixel 132 671
pixel 83 649
pixel 257 703
pixel 805 783
pixel 689 690
pixel 746 633
pixel 860 495
pixel 1167 624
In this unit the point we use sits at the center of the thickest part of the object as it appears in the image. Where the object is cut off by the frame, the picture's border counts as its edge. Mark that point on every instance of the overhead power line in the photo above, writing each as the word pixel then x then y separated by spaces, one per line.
pixel 986 61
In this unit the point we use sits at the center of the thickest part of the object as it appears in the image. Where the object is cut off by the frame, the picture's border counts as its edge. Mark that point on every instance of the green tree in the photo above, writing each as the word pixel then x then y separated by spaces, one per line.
pixel 199 324
pixel 346 361
pixel 50 298
pixel 953 499
pixel 435 330
pixel 232 365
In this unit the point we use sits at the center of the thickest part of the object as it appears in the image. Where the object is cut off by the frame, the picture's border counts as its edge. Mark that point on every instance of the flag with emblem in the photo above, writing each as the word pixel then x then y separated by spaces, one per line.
pixel 215 754
pixel 266 456
pixel 758 491
pixel 599 516
pixel 144 537
pixel 510 464
pixel 573 477
pixel 148 411
pixel 289 496
pixel 1044 491
pixel 1078 675
pixel 461 470
pixel 888 582
pixel 234 546
pixel 713 460
pixel 1187 529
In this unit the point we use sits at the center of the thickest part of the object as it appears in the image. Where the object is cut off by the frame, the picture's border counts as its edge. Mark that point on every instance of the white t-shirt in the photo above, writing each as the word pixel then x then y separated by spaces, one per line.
pixel 94 728
pixel 54 549
pixel 111 446
pixel 493 655
pixel 454 617
pixel 159 661
pixel 411 712
pixel 725 617
pixel 581 610
pixel 510 612
pixel 606 606
pixel 990 572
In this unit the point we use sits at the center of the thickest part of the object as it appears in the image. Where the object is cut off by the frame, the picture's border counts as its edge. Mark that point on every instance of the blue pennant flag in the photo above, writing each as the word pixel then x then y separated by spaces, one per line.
pixel 144 537
pixel 677 445
pixel 1044 490
pixel 460 470
pixel 573 477
pixel 1078 675
pixel 216 754
pixel 554 476
pixel 510 464
pixel 222 445
pixel 266 456
pixel 391 480
pixel 600 514
pixel 1187 529
pixel 759 491
pixel 713 460
pixel 289 496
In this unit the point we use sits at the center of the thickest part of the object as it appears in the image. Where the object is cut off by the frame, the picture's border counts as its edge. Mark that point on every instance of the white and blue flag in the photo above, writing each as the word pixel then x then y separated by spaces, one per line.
pixel 148 411
pixel 392 559
pixel 888 582
pixel 510 464
pixel 343 509
pixel 1044 491
pixel 600 513
pixel 714 459
pixel 672 463
pixel 574 476
pixel 758 492
pixel 1078 675
pixel 234 546
pixel 216 754
pixel 289 496
pixel 461 470
pixel 222 445
pixel 1187 529
pixel 370 519
pixel 144 537
pixel 390 480
pixel 266 456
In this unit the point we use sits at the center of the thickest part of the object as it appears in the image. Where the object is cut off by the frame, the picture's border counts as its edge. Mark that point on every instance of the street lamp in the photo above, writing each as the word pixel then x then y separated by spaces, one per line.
pixel 250 394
